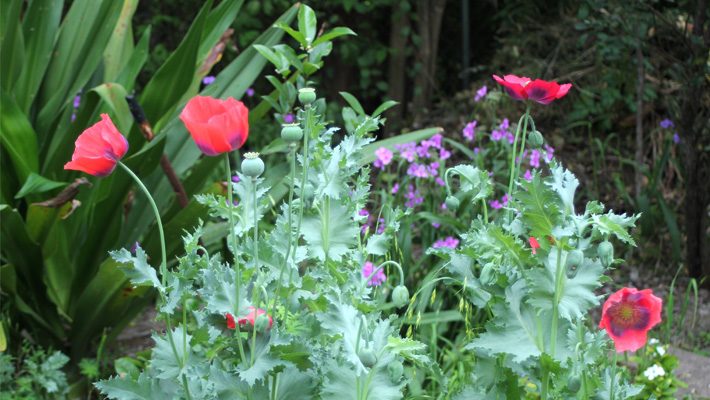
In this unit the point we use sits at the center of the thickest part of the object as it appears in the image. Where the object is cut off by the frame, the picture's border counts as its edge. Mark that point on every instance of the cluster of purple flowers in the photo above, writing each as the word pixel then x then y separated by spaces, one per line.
pixel 384 157
pixel 367 226
pixel 503 132
pixel 534 159
pixel 414 198
pixel 375 280
pixel 450 242
pixel 496 204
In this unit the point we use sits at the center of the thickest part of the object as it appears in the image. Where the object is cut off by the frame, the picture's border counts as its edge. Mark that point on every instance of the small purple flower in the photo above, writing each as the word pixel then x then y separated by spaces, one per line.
pixel 498 204
pixel 528 176
pixel 395 188
pixel 363 213
pixel 77 101
pixel 235 178
pixel 250 92
pixel 381 226
pixel 384 157
pixel 417 170
pixel 469 131
pixel 444 154
pixel 436 225
pixel 235 202
pixel 535 158
pixel 510 137
pixel 407 151
pixel 481 93
pixel 289 118
pixel 549 153
pixel 502 131
pixel 208 80
pixel 413 197
pixel 450 242
pixel 476 150
pixel 440 181
pixel 134 248
pixel 667 124
pixel 375 280
pixel 676 138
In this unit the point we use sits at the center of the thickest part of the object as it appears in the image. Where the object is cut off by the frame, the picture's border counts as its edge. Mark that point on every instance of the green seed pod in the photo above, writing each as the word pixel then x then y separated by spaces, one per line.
pixel 395 370
pixel 252 165
pixel 452 203
pixel 574 258
pixel 400 296
pixel 291 133
pixel 605 251
pixel 574 384
pixel 306 95
pixel 535 139
pixel 368 357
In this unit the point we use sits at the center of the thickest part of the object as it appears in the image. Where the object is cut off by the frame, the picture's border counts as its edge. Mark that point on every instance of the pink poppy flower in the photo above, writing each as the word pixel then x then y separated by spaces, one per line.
pixel 98 149
pixel 523 88
pixel 628 315
pixel 217 126
pixel 534 245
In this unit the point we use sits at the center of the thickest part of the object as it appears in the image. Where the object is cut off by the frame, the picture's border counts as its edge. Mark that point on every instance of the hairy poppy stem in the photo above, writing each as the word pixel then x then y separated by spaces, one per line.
pixel 237 271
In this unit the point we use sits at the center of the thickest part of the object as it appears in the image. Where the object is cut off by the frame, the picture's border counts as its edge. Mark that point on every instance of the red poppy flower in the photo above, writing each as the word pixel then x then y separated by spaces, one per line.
pixel 217 126
pixel 98 149
pixel 523 88
pixel 534 245
pixel 628 315
pixel 230 321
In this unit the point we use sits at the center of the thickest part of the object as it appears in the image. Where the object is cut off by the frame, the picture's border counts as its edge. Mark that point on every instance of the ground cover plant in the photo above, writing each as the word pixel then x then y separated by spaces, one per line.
pixel 324 264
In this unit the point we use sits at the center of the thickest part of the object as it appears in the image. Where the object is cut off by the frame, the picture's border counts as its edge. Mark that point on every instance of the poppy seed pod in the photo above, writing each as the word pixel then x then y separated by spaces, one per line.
pixel 291 133
pixel 535 139
pixel 367 357
pixel 306 95
pixel 395 370
pixel 252 165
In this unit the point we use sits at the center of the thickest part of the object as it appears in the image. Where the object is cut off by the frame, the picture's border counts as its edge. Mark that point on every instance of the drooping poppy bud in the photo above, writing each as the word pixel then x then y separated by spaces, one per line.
pixel 252 314
pixel 523 88
pixel 231 324
pixel 98 149
pixel 628 315
pixel 217 126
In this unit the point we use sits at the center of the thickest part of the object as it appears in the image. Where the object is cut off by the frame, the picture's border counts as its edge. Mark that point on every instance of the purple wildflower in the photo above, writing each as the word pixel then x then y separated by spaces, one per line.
pixel 469 131
pixel 440 181
pixel 436 225
pixel 528 176
pixel 407 151
pixel 667 124
pixel 375 280
pixel 363 213
pixel 549 153
pixel 450 242
pixel 135 247
pixel 235 178
pixel 535 158
pixel 502 131
pixel 77 101
pixel 289 118
pixel 413 197
pixel 676 138
pixel 395 188
pixel 208 80
pixel 250 92
pixel 417 170
pixel 444 154
pixel 384 157
pixel 481 93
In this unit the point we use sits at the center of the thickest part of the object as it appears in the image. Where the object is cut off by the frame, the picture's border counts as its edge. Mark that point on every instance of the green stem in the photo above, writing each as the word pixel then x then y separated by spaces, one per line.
pixel 396 264
pixel 306 133
pixel 163 269
pixel 237 270
pixel 556 301
pixel 485 210
pixel 521 153
pixel 524 121
pixel 613 376
pixel 256 269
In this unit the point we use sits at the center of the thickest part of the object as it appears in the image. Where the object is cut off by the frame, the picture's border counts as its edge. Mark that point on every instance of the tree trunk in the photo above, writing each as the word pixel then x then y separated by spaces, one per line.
pixel 396 76
pixel 639 118
pixel 429 15
pixel 693 122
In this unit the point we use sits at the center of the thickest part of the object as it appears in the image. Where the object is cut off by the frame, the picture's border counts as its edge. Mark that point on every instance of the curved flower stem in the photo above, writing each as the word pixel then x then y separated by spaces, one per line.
pixel 522 145
pixel 485 210
pixel 237 270
pixel 396 264
pixel 446 180
pixel 163 270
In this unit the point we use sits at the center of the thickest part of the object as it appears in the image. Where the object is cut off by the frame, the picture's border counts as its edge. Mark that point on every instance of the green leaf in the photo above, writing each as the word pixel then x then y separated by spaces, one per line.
pixel 577 293
pixel 164 354
pixel 540 207
pixel 119 48
pixel 513 330
pixel 144 388
pixel 344 320
pixel 12 51
pixel 219 291
pixel 294 385
pixel 332 34
pixel 292 32
pixel 615 224
pixel 18 138
pixel 131 68
pixel 384 107
pixel 264 362
pixel 332 234
pixel 40 25
pixel 377 245
pixel 565 184
pixel 353 102
pixel 474 181
pixel 307 25
pixel 138 271
pixel 37 184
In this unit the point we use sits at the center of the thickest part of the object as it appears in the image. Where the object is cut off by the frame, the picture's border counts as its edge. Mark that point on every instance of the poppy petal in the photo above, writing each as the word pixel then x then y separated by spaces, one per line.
pixel 543 92
pixel 514 90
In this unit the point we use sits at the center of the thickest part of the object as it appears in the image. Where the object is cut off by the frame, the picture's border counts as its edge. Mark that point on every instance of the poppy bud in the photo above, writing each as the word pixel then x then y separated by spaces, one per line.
pixel 574 258
pixel 252 165
pixel 306 95
pixel 367 357
pixel 262 323
pixel 395 370
pixel 535 139
pixel 573 384
pixel 605 251
pixel 452 203
pixel 400 296
pixel 291 133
